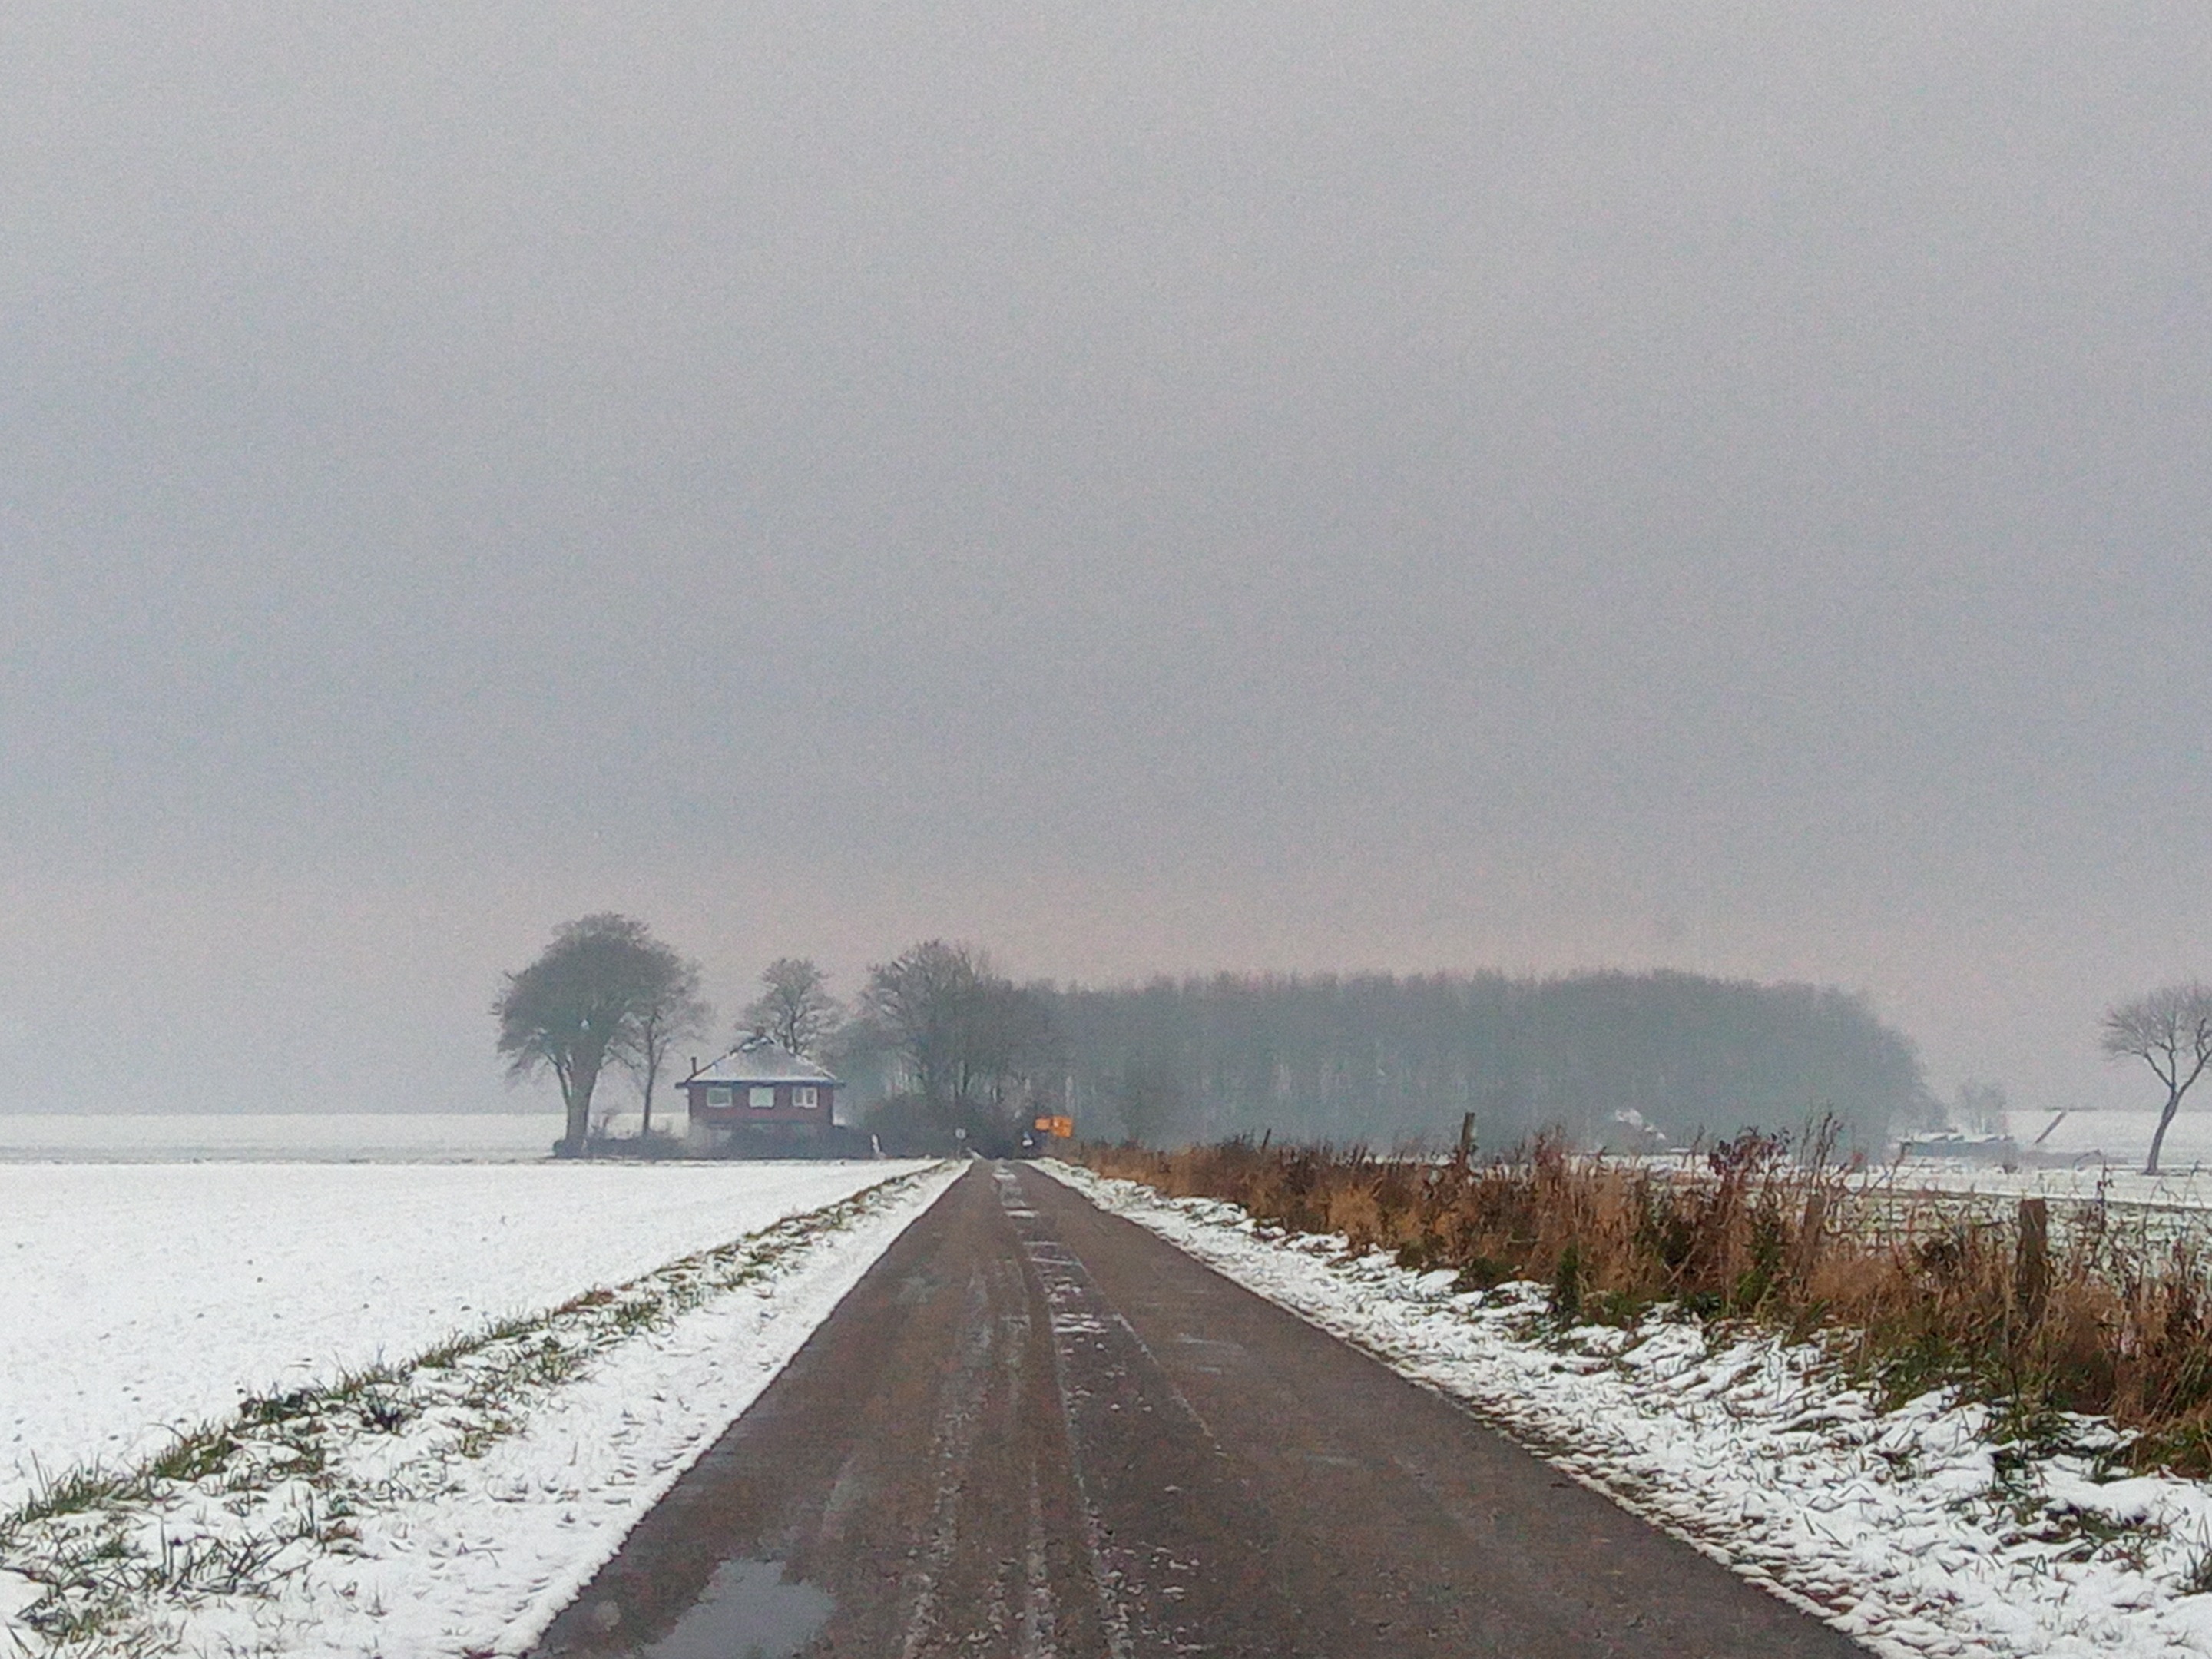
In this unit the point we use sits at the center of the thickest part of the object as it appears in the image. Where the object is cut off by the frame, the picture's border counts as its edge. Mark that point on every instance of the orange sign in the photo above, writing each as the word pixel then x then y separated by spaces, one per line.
pixel 1062 1126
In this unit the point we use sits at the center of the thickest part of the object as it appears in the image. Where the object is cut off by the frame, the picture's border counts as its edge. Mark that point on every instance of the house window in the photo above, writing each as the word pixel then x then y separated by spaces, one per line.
pixel 718 1097
pixel 763 1099
pixel 803 1097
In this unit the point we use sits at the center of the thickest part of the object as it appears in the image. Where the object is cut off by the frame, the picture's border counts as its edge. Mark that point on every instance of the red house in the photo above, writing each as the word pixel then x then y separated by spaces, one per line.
pixel 759 1089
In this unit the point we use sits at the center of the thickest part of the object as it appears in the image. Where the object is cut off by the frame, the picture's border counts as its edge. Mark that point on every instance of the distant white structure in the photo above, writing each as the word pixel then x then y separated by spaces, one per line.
pixel 2002 1150
pixel 2072 1139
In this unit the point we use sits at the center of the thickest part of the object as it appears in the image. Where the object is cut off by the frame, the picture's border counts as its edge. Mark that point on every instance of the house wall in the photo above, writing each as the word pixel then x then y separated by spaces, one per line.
pixel 784 1111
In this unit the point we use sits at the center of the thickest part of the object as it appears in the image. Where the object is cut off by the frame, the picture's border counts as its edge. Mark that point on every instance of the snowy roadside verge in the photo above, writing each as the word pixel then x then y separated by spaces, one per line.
pixel 451 1505
pixel 1913 1530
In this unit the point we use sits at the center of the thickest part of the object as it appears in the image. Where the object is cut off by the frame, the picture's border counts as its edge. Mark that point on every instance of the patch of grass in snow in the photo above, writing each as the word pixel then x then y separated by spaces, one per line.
pixel 69 1494
pixel 2196 1577
pixel 117 1551
pixel 2029 1441
pixel 196 1454
pixel 2076 1533
pixel 2093 1535
pixel 103 1568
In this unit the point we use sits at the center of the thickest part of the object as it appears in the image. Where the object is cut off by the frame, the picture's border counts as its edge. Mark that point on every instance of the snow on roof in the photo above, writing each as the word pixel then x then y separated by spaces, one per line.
pixel 757 1060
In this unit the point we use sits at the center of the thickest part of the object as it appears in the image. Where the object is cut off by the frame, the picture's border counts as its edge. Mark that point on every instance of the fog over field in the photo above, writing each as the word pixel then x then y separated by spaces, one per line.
pixel 1145 489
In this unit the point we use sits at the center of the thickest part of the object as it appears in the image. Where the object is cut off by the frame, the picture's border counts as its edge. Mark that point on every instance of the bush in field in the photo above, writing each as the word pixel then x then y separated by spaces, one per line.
pixel 1919 1291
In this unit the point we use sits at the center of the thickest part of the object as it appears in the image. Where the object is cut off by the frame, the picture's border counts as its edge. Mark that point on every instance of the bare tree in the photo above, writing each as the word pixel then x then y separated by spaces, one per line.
pixel 977 1047
pixel 919 999
pixel 578 1005
pixel 670 1010
pixel 795 1008
pixel 1013 1048
pixel 2170 1029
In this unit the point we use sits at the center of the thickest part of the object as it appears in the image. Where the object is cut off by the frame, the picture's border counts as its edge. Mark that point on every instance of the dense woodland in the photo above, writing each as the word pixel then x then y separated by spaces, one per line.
pixel 1381 1059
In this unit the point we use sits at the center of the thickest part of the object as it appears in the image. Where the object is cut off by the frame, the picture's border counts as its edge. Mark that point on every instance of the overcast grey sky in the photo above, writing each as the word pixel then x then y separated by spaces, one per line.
pixel 1138 486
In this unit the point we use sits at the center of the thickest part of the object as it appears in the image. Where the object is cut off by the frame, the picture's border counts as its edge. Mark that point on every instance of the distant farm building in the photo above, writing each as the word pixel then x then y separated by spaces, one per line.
pixel 759 1092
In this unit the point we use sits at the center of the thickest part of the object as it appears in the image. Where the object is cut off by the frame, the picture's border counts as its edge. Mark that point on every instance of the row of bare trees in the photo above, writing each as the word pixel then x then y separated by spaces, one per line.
pixel 966 1052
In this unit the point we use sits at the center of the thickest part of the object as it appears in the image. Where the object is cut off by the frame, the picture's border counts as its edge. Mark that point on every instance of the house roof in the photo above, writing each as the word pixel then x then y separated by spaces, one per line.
pixel 757 1060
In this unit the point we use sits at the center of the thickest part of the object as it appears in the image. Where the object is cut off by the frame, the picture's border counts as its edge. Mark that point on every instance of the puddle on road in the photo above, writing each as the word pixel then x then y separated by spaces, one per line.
pixel 750 1610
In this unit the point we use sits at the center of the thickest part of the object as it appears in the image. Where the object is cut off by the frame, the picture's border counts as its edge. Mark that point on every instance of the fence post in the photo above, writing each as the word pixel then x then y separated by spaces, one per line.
pixel 1466 1136
pixel 2030 1281
pixel 1806 1255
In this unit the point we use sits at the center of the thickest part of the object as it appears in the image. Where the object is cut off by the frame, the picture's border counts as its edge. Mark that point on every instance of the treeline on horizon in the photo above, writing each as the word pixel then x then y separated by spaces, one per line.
pixel 938 1047
pixel 1623 1059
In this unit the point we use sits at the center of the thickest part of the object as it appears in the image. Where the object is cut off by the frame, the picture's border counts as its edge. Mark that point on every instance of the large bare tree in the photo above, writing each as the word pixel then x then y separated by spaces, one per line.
pixel 2170 1029
pixel 921 1000
pixel 670 1010
pixel 581 1005
pixel 794 1006
pixel 975 1046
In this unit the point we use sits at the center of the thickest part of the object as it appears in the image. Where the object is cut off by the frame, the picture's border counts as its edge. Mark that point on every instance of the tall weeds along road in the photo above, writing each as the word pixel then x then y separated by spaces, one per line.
pixel 1916 1290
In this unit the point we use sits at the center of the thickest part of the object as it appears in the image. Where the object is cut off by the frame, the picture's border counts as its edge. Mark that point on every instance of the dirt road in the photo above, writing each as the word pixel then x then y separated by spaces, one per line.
pixel 1035 1429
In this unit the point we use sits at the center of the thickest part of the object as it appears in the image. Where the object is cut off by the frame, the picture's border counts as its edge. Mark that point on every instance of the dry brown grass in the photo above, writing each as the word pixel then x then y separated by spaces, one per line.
pixel 1915 1294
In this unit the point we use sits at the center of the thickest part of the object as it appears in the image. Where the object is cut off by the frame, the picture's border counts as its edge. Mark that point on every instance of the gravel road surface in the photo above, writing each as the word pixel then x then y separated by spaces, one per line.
pixel 1035 1429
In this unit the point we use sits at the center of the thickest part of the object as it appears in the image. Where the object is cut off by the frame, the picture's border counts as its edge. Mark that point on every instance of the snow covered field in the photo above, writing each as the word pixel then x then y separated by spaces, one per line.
pixel 2120 1139
pixel 449 1508
pixel 146 1298
pixel 1905 1528
pixel 2151 1211
pixel 2185 1187
pixel 317 1137
pixel 2185 1196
